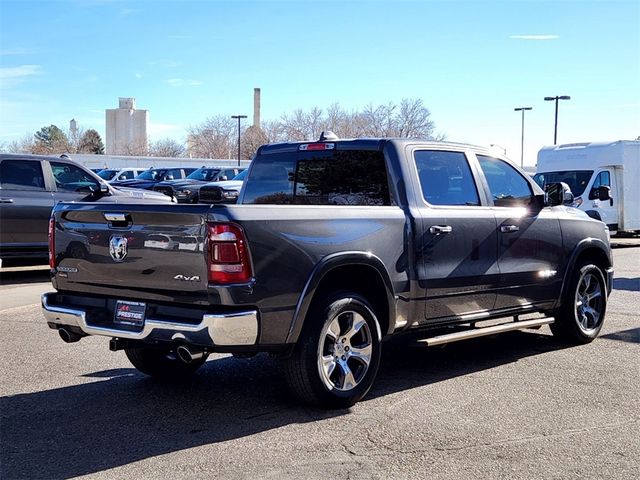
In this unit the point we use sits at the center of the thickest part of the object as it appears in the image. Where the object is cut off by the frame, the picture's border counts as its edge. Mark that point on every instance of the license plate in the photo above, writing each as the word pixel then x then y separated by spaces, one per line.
pixel 130 313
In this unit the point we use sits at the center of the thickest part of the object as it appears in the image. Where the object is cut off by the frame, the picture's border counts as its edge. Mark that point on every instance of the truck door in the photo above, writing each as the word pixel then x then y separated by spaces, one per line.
pixel 25 204
pixel 457 242
pixel 530 254
pixel 607 210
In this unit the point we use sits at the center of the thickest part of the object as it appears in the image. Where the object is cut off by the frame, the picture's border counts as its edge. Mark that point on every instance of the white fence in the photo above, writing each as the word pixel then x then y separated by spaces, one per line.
pixel 123 161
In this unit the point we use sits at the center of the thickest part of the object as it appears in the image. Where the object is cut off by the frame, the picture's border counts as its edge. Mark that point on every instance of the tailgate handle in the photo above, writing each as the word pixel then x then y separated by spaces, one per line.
pixel 118 219
pixel 115 217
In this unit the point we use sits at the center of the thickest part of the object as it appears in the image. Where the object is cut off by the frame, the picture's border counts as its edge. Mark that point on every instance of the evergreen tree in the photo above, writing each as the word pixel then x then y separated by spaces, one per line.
pixel 91 142
pixel 51 140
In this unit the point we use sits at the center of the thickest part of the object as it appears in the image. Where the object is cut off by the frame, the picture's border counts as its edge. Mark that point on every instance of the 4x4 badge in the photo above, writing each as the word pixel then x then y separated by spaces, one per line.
pixel 118 248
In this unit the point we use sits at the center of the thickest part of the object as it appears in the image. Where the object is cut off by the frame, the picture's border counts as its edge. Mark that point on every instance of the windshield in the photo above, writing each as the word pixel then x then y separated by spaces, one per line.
pixel 576 179
pixel 151 174
pixel 107 174
pixel 204 174
pixel 241 176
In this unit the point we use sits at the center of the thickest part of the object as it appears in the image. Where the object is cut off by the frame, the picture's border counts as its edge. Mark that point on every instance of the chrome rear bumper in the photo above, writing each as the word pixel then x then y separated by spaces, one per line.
pixel 229 329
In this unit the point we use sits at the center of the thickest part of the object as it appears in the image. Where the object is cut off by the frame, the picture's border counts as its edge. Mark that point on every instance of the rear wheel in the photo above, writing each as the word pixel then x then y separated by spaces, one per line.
pixel 162 363
pixel 581 316
pixel 338 353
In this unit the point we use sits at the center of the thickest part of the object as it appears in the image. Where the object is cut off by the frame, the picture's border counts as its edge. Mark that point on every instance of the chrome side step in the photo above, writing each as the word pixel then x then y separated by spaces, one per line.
pixel 483 331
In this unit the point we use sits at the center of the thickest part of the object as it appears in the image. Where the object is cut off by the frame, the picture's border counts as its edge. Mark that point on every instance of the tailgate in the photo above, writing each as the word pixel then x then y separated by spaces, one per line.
pixel 146 251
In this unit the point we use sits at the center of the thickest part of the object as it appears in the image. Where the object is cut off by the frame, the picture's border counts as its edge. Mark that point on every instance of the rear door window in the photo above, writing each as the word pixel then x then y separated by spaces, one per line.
pixel 446 178
pixel 329 177
pixel 21 175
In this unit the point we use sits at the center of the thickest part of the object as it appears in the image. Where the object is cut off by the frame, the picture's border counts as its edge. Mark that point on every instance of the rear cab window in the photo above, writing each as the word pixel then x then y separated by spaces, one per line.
pixel 323 177
pixel 445 178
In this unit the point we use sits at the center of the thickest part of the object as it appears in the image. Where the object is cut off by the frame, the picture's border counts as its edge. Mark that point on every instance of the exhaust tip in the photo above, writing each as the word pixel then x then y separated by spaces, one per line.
pixel 67 336
pixel 188 355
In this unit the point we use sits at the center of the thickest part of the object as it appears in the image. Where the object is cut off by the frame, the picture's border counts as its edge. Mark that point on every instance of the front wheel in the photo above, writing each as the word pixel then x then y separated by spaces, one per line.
pixel 162 363
pixel 581 316
pixel 338 353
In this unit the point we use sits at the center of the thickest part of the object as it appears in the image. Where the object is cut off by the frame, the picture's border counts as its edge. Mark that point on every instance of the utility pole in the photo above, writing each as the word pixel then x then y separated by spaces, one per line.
pixel 522 109
pixel 555 128
pixel 239 117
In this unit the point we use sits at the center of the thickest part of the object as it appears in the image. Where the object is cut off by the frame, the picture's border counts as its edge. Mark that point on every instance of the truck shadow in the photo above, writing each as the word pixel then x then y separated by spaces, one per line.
pixel 124 417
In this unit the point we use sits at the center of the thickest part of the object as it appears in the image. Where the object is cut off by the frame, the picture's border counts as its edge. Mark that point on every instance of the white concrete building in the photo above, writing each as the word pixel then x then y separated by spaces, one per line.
pixel 126 129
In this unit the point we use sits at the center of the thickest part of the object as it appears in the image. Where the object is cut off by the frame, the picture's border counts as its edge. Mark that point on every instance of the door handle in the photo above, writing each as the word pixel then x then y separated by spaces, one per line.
pixel 6 200
pixel 440 229
pixel 509 228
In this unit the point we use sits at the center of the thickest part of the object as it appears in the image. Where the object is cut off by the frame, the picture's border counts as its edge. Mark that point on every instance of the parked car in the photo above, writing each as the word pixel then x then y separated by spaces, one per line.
pixel 224 191
pixel 149 178
pixel 187 190
pixel 29 188
pixel 333 246
pixel 119 174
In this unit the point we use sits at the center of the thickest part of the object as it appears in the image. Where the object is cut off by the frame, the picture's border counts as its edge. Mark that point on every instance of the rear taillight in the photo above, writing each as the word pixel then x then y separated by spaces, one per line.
pixel 227 254
pixel 52 242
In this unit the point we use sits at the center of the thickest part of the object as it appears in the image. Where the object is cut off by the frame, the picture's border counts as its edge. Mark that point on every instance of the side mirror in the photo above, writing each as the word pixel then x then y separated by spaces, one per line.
pixel 169 177
pixel 122 177
pixel 558 194
pixel 99 190
pixel 223 178
pixel 604 193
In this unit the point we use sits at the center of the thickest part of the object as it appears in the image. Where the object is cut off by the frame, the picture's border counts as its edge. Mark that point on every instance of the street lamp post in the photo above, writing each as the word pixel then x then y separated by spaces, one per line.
pixel 555 128
pixel 522 109
pixel 239 117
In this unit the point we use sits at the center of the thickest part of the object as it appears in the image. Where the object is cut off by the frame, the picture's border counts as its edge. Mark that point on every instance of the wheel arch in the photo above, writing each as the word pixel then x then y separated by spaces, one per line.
pixel 592 249
pixel 345 271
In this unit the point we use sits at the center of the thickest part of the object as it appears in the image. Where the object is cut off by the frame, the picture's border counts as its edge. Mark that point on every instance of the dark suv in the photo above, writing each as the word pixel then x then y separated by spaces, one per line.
pixel 187 190
pixel 31 185
pixel 150 178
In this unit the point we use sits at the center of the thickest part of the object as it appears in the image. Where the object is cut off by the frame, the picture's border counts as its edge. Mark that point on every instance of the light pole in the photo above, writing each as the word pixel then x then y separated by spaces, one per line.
pixel 522 109
pixel 239 117
pixel 555 128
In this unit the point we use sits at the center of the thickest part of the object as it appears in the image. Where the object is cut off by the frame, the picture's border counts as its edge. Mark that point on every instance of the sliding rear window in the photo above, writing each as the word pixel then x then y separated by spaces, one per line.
pixel 328 177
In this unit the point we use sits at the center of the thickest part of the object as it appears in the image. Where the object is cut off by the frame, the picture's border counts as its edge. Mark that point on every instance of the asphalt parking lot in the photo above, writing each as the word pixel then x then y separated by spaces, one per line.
pixel 515 406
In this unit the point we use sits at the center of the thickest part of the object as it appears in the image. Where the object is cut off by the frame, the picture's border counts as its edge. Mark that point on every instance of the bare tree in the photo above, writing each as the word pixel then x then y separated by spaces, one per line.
pixel 24 145
pixel 213 138
pixel 136 148
pixel 216 137
pixel 252 138
pixel 166 147
pixel 300 125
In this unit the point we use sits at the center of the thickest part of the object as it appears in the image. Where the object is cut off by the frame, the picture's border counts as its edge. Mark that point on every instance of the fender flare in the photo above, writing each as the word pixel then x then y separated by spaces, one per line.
pixel 581 247
pixel 321 269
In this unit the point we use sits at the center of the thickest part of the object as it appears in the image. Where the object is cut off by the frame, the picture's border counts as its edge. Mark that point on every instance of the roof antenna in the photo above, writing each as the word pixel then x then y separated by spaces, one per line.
pixel 328 136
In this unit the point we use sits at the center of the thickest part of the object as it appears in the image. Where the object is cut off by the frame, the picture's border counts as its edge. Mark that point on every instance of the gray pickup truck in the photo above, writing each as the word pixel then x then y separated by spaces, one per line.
pixel 333 246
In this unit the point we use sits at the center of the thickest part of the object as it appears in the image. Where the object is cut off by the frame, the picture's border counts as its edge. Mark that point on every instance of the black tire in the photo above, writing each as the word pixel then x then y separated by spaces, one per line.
pixel 334 331
pixel 162 363
pixel 575 323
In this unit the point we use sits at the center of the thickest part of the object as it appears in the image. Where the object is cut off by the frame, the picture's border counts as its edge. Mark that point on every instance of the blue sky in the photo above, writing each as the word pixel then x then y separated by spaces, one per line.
pixel 471 63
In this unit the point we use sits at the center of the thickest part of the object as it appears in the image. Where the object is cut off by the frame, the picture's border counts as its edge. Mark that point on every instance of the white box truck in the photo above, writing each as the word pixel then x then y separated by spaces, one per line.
pixel 585 167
